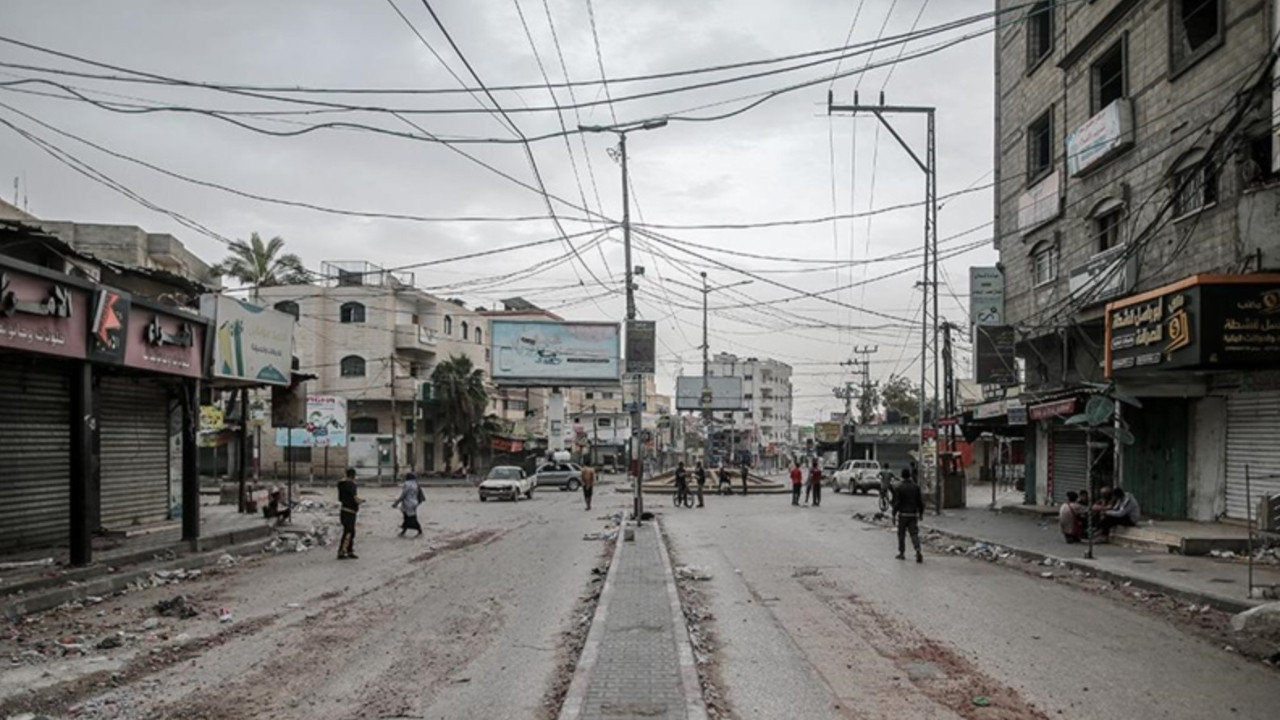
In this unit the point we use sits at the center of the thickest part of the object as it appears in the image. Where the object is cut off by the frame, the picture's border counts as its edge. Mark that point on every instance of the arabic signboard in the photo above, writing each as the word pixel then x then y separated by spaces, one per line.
pixel 42 316
pixel 986 296
pixel 896 434
pixel 989 410
pixel 995 358
pixel 326 424
pixel 827 433
pixel 1100 137
pixel 1229 322
pixel 164 342
pixel 108 326
pixel 1040 204
pixel 541 353
pixel 716 393
pixel 1017 412
pixel 641 350
pixel 1056 409
pixel 1104 276
pixel 251 343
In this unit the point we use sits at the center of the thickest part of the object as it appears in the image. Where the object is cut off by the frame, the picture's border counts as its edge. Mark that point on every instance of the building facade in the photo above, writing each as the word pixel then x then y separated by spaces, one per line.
pixel 1135 151
pixel 761 433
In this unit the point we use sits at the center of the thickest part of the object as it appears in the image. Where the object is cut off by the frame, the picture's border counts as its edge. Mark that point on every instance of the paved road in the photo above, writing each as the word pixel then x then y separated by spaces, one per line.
pixel 817 620
pixel 464 623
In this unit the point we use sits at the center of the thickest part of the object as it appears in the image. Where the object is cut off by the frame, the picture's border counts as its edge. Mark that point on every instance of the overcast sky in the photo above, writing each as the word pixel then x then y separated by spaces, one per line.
pixel 784 159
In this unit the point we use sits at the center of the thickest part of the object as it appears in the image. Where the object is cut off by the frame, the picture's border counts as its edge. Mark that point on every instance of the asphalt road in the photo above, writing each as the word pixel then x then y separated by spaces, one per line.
pixel 463 623
pixel 815 619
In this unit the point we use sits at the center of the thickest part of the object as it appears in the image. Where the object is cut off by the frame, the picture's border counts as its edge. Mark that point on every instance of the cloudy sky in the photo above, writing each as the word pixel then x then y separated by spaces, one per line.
pixel 380 153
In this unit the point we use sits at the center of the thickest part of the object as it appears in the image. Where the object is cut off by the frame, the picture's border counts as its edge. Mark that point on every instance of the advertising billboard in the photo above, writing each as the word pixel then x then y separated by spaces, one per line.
pixel 251 343
pixel 986 296
pixel 540 353
pixel 326 424
pixel 641 350
pixel 828 433
pixel 725 393
pixel 995 358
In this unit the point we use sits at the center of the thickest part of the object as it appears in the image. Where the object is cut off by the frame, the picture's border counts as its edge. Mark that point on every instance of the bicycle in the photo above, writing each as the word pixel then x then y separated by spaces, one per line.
pixel 886 498
pixel 682 496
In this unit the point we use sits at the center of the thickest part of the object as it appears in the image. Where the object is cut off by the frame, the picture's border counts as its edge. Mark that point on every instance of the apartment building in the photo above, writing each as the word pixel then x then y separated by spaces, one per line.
pixel 761 432
pixel 1136 219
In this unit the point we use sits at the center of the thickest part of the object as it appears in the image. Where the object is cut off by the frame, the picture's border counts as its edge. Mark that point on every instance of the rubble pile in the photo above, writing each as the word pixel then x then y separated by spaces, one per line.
pixel 178 607
pixel 292 539
pixel 610 531
pixel 165 577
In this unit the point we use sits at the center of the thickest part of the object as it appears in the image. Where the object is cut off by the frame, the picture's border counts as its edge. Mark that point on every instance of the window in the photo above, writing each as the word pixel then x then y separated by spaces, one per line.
pixel 1107 227
pixel 1195 186
pixel 1045 262
pixel 464 329
pixel 1039 33
pixel 604 422
pixel 418 370
pixel 364 426
pixel 746 396
pixel 448 325
pixel 290 307
pixel 1195 30
pixel 352 366
pixel 606 396
pixel 351 312
pixel 479 336
pixel 1040 147
pixel 747 378
pixel 591 396
pixel 1109 79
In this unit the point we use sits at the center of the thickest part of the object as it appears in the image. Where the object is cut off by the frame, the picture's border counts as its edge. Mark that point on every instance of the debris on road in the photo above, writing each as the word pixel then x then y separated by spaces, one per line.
pixel 294 539
pixel 225 616
pixel 1262 620
pixel 177 607
pixel 692 572
pixel 24 564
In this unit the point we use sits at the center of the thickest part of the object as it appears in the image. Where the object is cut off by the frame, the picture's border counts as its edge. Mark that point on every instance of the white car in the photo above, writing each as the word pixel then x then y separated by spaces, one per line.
pixel 857 476
pixel 507 481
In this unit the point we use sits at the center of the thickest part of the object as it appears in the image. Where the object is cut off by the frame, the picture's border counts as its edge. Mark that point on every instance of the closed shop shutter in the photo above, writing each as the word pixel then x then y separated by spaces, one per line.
pixel 1253 439
pixel 35 455
pixel 1070 462
pixel 134 430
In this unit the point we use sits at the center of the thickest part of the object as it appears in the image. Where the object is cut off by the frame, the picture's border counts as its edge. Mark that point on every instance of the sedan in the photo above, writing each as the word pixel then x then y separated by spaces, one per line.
pixel 507 481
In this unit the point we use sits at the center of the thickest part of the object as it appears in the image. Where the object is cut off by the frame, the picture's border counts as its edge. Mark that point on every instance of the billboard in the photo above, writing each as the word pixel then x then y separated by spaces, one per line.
pixel 251 343
pixel 828 433
pixel 725 393
pixel 326 424
pixel 986 296
pixel 541 353
pixel 995 360
pixel 641 351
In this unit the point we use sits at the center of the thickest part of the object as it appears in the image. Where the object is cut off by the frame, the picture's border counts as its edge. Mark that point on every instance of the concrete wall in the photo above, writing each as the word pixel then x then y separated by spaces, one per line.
pixel 1207 460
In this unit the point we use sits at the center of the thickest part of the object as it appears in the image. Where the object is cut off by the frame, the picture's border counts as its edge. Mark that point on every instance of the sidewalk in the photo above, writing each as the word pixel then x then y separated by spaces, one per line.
pixel 1218 582
pixel 637 661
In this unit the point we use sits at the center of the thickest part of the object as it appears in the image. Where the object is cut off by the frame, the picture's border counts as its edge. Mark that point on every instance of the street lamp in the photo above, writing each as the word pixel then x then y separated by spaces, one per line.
pixel 636 417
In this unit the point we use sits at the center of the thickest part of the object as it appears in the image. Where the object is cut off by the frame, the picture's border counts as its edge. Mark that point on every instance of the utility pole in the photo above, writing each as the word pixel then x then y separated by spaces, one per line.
pixel 928 316
pixel 949 407
pixel 637 407
pixel 395 423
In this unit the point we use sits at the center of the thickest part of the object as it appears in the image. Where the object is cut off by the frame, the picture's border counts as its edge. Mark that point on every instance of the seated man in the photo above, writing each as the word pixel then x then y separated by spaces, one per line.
pixel 1124 512
pixel 1071 518
pixel 276 507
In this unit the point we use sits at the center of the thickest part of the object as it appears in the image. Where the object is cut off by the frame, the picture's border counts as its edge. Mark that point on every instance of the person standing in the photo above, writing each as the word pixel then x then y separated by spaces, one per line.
pixel 725 482
pixel 350 502
pixel 797 479
pixel 746 473
pixel 411 496
pixel 700 476
pixel 815 483
pixel 682 481
pixel 908 506
pixel 588 478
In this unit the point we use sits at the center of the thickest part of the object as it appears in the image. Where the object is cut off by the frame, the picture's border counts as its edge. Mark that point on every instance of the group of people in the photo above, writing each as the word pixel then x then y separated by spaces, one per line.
pixel 411 496
pixel 723 475
pixel 812 485
pixel 1113 507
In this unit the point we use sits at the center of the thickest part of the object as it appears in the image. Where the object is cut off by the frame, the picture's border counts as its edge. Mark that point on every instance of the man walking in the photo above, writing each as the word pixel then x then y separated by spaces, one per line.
pixel 746 473
pixel 908 506
pixel 588 478
pixel 797 479
pixel 350 502
pixel 700 475
pixel 815 483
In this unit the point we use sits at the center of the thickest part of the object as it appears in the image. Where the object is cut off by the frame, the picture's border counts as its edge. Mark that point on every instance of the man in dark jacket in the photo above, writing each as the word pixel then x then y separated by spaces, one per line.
pixel 700 476
pixel 908 506
pixel 350 502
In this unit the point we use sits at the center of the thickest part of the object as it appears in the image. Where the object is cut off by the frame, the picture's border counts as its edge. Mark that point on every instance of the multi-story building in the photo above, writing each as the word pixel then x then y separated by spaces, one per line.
pixel 1136 214
pixel 369 336
pixel 600 423
pixel 762 430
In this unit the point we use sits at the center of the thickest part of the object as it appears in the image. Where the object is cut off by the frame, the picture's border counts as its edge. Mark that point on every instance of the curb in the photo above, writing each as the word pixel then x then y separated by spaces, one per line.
pixel 1218 602
pixel 13 608
pixel 695 706
pixel 571 709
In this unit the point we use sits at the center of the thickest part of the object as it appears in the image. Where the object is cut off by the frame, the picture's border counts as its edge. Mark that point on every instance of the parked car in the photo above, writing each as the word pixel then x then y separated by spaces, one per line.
pixel 507 481
pixel 566 476
pixel 857 476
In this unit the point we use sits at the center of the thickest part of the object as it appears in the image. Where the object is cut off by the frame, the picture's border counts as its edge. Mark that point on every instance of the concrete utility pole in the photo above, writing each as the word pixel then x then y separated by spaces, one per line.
pixel 638 406
pixel 395 423
pixel 928 316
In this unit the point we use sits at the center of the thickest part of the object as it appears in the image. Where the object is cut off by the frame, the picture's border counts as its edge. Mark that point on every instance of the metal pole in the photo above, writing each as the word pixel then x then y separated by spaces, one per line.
pixel 637 464
pixel 243 445
pixel 395 423
pixel 1248 515
pixel 931 238
pixel 1088 483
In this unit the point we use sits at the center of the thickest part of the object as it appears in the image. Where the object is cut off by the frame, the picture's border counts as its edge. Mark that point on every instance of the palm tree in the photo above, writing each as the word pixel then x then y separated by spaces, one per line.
pixel 460 398
pixel 260 264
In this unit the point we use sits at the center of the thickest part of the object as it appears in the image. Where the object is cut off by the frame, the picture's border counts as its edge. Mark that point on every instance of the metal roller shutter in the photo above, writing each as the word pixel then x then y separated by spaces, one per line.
pixel 1070 461
pixel 35 455
pixel 133 421
pixel 1253 439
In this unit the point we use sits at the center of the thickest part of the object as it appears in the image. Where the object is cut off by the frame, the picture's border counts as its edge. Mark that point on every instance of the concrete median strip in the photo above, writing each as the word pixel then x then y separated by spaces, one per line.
pixel 577 694
pixel 695 707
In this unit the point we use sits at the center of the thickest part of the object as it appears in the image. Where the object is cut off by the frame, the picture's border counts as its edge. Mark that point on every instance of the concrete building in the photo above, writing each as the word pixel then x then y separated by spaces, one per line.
pixel 369 336
pixel 600 424
pixel 762 431
pixel 1135 152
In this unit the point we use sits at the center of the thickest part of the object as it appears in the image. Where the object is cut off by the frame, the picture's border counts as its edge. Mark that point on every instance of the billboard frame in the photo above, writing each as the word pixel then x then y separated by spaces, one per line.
pixel 502 379
pixel 738 406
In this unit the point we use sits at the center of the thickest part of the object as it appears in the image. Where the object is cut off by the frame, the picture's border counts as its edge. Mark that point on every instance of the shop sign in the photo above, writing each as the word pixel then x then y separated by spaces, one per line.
pixel 164 343
pixel 507 445
pixel 251 343
pixel 1204 322
pixel 986 296
pixel 1106 275
pixel 1040 204
pixel 828 432
pixel 109 326
pixel 1017 412
pixel 989 410
pixel 948 422
pixel 42 316
pixel 1100 137
pixel 1057 408
pixel 928 434
pixel 326 424
pixel 899 434
pixel 996 361
pixel 212 425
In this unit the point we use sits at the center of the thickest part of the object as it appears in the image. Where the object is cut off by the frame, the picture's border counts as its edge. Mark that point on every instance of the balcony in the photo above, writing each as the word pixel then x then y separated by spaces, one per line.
pixel 415 338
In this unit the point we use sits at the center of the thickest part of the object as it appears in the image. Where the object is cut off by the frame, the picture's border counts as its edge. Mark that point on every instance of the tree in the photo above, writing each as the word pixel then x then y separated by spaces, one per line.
pixel 902 397
pixel 260 264
pixel 460 398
